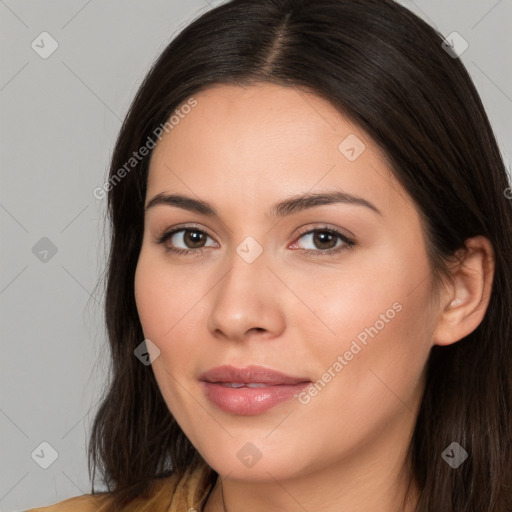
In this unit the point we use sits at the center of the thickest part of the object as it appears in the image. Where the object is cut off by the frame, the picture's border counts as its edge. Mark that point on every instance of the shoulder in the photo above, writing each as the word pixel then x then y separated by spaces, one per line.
pixel 185 491
pixel 84 503
pixel 100 502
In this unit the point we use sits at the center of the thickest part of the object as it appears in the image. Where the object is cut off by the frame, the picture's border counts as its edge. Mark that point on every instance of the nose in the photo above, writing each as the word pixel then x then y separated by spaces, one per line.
pixel 247 300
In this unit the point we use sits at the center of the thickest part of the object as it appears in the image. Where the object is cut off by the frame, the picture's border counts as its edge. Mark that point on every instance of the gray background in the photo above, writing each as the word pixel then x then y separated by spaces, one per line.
pixel 59 120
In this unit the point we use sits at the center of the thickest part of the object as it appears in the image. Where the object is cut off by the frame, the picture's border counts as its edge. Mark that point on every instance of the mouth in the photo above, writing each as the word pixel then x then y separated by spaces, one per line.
pixel 249 375
pixel 251 390
pixel 242 384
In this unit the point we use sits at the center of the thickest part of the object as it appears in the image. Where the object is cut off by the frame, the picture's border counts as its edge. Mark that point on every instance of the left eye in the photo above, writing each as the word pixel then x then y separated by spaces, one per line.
pixel 323 240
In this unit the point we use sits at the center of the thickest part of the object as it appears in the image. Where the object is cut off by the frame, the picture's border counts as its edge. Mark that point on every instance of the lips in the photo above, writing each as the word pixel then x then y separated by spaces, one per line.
pixel 250 390
pixel 250 375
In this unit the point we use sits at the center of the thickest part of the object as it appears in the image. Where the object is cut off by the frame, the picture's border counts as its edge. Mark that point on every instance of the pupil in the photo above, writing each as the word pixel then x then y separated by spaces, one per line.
pixel 195 237
pixel 322 235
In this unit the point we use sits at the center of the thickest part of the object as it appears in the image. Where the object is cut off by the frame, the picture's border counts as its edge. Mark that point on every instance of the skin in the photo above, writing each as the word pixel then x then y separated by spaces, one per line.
pixel 243 149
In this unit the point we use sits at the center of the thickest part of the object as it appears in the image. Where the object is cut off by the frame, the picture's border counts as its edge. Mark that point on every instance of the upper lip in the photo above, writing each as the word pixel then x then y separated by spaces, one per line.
pixel 250 374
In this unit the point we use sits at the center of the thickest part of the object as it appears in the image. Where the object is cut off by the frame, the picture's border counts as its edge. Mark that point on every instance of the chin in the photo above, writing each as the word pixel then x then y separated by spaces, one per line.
pixel 258 461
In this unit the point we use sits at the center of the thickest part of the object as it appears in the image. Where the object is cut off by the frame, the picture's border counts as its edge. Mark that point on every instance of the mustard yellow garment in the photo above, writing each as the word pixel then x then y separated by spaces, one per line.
pixel 167 495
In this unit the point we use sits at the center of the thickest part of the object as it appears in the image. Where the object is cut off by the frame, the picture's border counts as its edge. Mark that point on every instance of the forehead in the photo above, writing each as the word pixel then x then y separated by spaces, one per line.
pixel 280 117
pixel 266 140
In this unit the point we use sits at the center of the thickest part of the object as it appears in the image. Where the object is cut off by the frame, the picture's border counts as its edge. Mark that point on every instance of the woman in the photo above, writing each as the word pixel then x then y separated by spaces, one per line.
pixel 308 299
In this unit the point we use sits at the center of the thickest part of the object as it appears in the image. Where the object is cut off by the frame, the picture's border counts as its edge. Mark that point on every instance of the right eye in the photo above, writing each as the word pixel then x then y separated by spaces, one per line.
pixel 189 235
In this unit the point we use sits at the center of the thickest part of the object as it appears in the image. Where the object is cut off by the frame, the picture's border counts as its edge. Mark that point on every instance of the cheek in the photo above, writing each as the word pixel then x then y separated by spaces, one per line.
pixel 163 294
pixel 169 304
pixel 163 301
pixel 149 298
pixel 377 320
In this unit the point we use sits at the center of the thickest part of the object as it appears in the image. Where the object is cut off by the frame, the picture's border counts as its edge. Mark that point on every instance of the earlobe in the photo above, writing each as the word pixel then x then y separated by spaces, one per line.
pixel 465 299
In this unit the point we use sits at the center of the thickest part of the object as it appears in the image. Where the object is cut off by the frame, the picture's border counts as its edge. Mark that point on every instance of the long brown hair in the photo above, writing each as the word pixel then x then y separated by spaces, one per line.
pixel 386 70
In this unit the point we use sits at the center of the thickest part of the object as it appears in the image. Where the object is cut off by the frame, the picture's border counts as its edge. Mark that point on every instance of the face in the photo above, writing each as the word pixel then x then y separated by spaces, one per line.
pixel 333 293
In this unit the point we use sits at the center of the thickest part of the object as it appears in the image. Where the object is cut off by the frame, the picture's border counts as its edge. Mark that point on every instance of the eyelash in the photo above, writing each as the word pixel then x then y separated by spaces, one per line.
pixel 348 243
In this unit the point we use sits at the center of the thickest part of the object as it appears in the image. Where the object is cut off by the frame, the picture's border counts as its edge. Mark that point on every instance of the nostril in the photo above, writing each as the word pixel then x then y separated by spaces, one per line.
pixel 257 329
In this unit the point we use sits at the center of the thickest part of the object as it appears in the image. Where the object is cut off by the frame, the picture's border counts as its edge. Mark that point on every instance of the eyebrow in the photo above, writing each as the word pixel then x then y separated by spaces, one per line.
pixel 283 208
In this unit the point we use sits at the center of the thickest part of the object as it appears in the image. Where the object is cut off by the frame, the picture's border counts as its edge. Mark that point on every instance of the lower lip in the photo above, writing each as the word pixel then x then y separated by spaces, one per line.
pixel 249 401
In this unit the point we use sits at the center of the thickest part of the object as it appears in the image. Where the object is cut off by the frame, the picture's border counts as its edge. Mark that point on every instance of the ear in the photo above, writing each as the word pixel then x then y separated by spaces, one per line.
pixel 465 298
